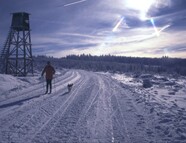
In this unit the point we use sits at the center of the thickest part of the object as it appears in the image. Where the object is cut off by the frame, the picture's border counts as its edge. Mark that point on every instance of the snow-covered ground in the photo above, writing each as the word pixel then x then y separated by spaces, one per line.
pixel 102 107
pixel 168 88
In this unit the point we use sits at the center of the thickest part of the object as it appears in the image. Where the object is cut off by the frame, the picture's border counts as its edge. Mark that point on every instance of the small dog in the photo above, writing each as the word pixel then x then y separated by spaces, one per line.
pixel 69 87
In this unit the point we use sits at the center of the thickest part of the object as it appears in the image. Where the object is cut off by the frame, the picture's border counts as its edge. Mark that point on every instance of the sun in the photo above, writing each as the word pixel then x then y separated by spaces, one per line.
pixel 142 6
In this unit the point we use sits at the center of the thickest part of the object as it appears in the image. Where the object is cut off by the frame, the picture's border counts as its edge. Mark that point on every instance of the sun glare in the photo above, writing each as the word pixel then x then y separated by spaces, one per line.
pixel 141 5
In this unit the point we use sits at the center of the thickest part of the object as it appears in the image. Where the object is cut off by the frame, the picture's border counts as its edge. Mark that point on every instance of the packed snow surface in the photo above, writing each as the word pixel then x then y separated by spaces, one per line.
pixel 101 108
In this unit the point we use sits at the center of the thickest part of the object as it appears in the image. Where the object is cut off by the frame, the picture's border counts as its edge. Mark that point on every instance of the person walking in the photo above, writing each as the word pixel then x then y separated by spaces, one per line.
pixel 49 72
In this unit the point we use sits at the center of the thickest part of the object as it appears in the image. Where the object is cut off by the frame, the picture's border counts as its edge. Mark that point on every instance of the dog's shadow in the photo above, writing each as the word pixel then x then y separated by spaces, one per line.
pixel 65 93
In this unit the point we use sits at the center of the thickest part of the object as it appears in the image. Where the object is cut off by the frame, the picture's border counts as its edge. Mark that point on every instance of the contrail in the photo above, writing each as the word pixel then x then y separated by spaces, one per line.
pixel 117 25
pixel 69 4
pixel 157 32
pixel 165 27
pixel 154 26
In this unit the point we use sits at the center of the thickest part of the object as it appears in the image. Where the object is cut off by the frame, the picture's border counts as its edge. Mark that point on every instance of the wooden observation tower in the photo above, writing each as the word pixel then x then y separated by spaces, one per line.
pixel 16 55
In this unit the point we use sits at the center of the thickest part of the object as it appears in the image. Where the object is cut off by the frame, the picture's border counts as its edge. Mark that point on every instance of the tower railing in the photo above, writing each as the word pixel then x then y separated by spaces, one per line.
pixel 16 55
pixel 4 51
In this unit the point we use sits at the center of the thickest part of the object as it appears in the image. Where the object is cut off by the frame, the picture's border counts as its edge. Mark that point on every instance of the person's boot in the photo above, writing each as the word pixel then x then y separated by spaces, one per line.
pixel 50 90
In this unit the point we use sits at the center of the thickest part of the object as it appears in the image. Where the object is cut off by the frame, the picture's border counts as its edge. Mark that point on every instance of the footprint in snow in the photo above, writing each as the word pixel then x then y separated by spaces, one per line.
pixel 166 120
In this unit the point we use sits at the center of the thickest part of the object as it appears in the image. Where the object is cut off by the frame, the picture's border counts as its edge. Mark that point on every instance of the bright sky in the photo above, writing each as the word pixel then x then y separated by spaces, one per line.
pixel 143 28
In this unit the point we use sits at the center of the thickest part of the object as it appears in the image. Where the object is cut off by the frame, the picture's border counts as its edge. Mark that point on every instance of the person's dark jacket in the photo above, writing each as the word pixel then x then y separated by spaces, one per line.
pixel 49 70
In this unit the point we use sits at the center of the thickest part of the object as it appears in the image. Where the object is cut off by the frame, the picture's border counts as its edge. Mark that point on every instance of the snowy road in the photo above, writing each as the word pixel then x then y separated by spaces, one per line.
pixel 98 109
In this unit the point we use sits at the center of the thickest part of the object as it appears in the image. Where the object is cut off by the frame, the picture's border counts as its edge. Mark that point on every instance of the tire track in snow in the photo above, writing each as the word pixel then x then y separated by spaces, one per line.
pixel 54 114
pixel 154 121
pixel 95 122
pixel 90 123
pixel 119 132
pixel 32 91
pixel 72 125
pixel 132 116
pixel 87 127
pixel 51 125
pixel 98 109
pixel 32 94
pixel 22 118
pixel 102 125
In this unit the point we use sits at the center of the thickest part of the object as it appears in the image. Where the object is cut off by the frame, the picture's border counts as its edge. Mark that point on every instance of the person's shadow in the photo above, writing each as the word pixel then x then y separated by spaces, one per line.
pixel 19 102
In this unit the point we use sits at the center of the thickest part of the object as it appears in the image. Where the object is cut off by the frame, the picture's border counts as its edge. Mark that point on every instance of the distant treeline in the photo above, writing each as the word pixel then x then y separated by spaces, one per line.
pixel 120 64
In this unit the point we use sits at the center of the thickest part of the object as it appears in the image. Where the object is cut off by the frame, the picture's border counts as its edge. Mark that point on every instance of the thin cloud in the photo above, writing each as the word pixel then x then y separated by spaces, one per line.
pixel 73 3
pixel 62 27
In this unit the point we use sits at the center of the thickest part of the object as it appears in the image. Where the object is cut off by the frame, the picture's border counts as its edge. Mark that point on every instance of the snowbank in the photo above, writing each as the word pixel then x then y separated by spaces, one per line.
pixel 169 88
pixel 8 82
